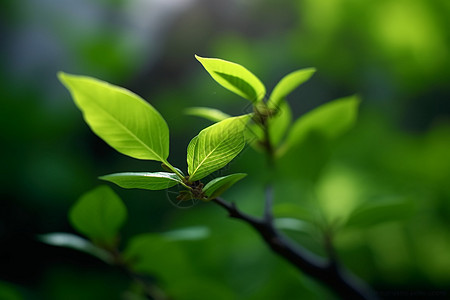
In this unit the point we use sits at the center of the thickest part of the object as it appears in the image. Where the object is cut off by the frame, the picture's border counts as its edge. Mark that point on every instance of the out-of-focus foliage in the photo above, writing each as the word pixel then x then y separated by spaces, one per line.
pixel 10 292
pixel 99 214
pixel 383 187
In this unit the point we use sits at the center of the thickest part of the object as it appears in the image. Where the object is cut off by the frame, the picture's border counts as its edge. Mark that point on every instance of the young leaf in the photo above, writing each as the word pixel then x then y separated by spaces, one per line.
pixel 215 146
pixel 145 180
pixel 211 114
pixel 99 214
pixel 329 121
pixel 217 186
pixel 288 84
pixel 72 241
pixel 279 123
pixel 191 150
pixel 121 118
pixel 234 78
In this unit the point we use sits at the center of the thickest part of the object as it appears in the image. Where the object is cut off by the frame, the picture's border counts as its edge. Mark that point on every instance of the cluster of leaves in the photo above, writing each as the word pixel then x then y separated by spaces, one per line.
pixel 289 145
pixel 272 128
pixel 99 215
pixel 134 128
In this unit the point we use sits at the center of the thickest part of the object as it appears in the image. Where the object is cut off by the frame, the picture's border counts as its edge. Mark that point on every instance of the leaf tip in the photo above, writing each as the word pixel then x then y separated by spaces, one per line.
pixel 62 76
pixel 197 57
pixel 107 178
pixel 65 78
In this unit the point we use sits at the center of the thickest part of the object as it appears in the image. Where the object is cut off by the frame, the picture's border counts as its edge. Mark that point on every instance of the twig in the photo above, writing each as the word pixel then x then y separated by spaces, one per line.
pixel 339 280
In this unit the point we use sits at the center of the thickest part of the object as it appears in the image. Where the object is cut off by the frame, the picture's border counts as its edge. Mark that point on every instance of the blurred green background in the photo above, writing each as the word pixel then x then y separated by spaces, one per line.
pixel 390 175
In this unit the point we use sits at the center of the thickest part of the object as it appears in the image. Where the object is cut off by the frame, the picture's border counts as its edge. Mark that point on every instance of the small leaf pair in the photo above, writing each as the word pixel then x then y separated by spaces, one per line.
pixel 244 83
pixel 209 151
pixel 329 120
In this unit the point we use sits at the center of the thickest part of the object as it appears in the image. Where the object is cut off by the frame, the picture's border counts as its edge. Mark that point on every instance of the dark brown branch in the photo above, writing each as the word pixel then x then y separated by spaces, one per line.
pixel 333 276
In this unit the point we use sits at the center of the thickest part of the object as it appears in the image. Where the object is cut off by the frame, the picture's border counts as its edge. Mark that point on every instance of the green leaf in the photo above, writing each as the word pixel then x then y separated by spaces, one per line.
pixel 121 118
pixel 211 114
pixel 217 186
pixel 375 212
pixel 72 241
pixel 288 84
pixel 234 78
pixel 191 152
pixel 158 256
pixel 215 146
pixel 188 234
pixel 329 121
pixel 143 180
pixel 279 123
pixel 99 214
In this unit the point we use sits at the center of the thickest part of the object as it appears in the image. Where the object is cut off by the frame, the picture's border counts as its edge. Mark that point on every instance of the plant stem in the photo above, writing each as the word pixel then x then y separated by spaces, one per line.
pixel 173 169
pixel 335 277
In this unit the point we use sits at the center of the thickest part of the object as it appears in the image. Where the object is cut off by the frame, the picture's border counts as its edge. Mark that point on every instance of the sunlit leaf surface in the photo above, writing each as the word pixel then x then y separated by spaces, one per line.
pixel 215 146
pixel 121 118
pixel 234 77
pixel 288 84
pixel 143 180
pixel 211 114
